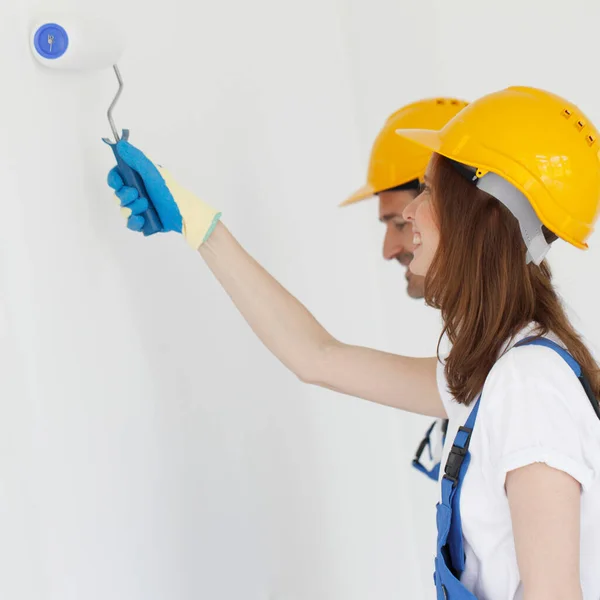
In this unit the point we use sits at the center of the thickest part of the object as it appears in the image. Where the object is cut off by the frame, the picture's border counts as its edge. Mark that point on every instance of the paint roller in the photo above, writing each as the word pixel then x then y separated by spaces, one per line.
pixel 77 43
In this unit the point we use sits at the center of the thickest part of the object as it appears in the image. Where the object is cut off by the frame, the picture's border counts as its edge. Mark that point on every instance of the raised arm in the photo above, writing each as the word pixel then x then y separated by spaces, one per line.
pixel 281 322
pixel 304 346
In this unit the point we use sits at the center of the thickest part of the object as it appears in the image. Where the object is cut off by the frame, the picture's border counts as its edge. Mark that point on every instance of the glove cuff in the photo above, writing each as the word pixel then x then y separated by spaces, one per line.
pixel 196 234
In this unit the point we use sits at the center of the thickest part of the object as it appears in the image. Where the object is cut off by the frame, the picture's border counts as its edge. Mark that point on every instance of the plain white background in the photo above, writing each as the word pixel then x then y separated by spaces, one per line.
pixel 150 447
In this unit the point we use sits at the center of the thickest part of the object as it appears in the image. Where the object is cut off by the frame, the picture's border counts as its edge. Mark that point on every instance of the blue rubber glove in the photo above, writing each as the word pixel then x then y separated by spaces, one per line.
pixel 179 210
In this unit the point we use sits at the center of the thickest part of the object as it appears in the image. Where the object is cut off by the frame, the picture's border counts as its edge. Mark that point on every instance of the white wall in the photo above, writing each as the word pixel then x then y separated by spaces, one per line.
pixel 150 448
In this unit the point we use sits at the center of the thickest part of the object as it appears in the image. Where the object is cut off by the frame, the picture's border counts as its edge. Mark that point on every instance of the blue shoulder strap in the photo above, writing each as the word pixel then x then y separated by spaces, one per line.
pixel 454 474
pixel 538 341
pixel 425 444
pixel 576 368
pixel 459 457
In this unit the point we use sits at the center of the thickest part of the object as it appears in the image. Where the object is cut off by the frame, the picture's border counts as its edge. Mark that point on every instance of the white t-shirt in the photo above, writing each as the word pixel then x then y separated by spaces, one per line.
pixel 533 409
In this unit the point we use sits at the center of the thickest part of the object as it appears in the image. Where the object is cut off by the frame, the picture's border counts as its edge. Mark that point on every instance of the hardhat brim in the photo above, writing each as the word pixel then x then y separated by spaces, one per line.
pixel 366 191
pixel 426 138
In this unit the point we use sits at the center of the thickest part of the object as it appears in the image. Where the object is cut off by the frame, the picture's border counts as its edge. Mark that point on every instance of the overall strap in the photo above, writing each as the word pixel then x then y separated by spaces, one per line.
pixel 539 341
pixel 575 367
pixel 459 458
pixel 425 444
pixel 454 474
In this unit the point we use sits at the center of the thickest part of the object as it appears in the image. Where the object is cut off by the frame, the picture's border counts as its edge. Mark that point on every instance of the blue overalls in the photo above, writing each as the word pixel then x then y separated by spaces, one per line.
pixel 425 444
pixel 450 557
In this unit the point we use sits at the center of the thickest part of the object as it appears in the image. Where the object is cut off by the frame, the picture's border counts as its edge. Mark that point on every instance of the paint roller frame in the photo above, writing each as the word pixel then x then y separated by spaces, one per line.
pixel 131 178
pixel 83 44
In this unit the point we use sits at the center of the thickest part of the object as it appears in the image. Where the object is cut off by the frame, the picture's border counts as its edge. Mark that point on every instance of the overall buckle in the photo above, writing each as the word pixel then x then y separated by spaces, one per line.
pixel 457 456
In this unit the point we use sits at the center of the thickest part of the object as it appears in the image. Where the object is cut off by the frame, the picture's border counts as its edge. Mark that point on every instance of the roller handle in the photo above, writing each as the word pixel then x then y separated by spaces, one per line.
pixel 133 179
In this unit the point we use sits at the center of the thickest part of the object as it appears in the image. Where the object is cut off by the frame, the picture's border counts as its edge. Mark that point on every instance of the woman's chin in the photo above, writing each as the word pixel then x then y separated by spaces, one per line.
pixel 416 264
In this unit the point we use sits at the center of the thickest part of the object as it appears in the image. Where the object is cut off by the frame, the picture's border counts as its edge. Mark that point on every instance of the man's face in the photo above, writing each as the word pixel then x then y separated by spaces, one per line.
pixel 397 243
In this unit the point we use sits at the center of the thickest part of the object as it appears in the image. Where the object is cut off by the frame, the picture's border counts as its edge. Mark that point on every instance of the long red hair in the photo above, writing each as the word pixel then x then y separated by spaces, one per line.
pixel 486 292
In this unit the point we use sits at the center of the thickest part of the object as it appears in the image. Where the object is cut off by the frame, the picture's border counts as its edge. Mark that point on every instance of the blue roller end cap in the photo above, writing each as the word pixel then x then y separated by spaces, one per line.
pixel 51 41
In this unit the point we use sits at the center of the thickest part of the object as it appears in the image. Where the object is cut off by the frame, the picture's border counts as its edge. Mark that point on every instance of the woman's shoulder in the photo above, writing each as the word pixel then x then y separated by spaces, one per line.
pixel 534 409
pixel 534 377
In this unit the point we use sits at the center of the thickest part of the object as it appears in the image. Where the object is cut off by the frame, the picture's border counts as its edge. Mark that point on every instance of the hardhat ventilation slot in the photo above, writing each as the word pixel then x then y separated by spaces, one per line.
pixel 566 113
pixel 590 139
pixel 580 125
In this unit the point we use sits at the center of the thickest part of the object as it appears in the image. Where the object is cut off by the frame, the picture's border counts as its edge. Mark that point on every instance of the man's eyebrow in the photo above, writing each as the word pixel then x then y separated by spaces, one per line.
pixel 389 216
